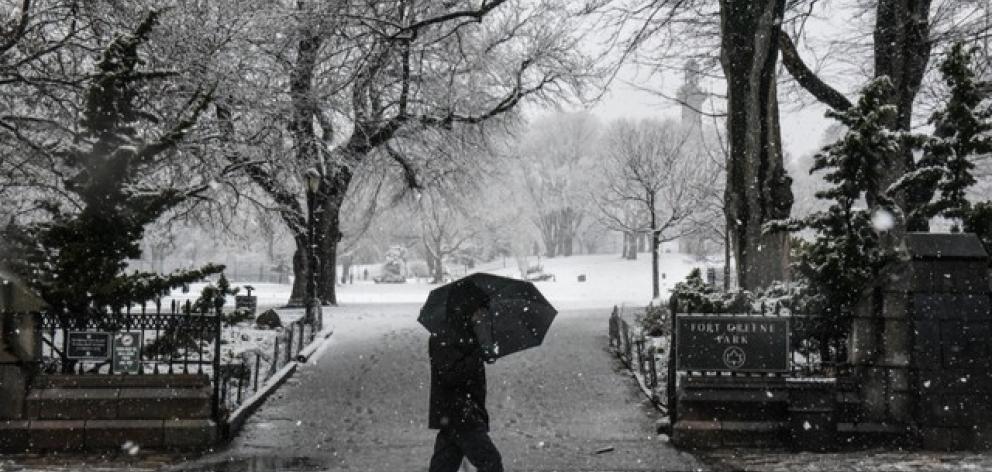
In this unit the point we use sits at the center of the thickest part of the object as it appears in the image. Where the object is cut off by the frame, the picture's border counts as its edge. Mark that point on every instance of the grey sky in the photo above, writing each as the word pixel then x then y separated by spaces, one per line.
pixel 802 127
pixel 802 130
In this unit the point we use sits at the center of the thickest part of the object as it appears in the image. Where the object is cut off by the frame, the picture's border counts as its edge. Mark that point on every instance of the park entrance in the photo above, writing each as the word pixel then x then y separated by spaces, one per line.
pixel 913 369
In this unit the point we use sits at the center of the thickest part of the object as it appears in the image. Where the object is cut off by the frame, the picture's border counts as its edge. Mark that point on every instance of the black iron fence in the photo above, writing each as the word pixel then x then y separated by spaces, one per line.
pixel 144 340
pixel 643 356
pixel 244 375
pixel 175 339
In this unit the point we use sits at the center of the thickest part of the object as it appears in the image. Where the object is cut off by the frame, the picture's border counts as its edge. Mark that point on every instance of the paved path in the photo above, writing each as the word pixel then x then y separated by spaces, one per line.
pixel 363 405
pixel 857 461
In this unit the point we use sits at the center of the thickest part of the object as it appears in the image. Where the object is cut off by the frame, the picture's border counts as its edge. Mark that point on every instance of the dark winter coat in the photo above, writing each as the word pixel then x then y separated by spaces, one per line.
pixel 458 386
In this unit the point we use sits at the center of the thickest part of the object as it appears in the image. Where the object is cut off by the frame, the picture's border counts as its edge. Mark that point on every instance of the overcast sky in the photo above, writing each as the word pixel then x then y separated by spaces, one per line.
pixel 802 130
pixel 802 127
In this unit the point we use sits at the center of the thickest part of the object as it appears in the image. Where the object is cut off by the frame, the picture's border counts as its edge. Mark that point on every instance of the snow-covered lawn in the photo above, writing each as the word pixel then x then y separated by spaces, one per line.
pixel 610 280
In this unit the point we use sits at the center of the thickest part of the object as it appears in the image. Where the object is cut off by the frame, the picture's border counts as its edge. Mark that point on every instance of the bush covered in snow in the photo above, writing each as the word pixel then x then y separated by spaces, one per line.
pixel 694 296
pixel 656 320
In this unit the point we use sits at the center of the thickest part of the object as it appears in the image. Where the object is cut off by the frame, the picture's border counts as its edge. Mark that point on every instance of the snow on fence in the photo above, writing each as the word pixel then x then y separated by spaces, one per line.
pixel 176 339
pixel 249 370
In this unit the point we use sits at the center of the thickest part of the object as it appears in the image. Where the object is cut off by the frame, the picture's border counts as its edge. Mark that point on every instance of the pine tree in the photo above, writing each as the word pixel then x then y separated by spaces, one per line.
pixel 76 259
pixel 961 133
pixel 845 254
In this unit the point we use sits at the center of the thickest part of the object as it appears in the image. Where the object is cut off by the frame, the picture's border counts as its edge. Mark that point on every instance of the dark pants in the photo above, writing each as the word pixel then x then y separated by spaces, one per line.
pixel 452 446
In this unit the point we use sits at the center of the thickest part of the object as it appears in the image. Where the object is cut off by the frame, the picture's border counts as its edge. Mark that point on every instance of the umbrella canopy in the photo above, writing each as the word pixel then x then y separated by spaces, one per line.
pixel 517 315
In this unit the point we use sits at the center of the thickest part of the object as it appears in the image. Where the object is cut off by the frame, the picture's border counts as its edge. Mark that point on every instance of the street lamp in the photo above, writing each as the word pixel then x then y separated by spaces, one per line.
pixel 312 179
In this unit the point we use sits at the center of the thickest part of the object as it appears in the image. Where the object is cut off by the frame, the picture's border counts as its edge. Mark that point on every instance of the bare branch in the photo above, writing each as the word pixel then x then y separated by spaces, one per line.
pixel 807 78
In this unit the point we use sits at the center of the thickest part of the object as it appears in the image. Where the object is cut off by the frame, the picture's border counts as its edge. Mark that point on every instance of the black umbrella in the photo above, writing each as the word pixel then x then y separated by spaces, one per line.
pixel 517 316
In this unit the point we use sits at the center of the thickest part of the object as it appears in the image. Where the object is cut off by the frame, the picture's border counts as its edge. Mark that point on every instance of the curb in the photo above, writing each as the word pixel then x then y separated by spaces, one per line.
pixel 236 420
pixel 644 388
pixel 317 343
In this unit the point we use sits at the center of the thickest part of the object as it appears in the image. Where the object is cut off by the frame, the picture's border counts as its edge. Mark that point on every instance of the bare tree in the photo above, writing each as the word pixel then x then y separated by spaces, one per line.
pixel 558 160
pixel 758 190
pixel 650 171
pixel 365 74
pixel 445 230
pixel 738 43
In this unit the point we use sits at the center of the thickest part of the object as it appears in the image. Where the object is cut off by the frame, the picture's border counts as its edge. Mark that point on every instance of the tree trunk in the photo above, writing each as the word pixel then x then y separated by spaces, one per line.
pixel 567 231
pixel 307 153
pixel 643 242
pixel 270 246
pixel 726 262
pixel 549 230
pixel 438 271
pixel 655 282
pixel 346 261
pixel 431 260
pixel 630 245
pixel 301 272
pixel 902 50
pixel 435 259
pixel 332 191
pixel 758 189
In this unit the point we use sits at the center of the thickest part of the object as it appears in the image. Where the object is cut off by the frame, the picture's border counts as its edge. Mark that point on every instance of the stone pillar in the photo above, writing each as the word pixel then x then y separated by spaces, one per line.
pixel 18 353
pixel 20 344
pixel 880 348
pixel 920 343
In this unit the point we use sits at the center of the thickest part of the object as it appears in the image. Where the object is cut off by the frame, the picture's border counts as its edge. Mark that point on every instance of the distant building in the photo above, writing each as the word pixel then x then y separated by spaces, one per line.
pixel 691 98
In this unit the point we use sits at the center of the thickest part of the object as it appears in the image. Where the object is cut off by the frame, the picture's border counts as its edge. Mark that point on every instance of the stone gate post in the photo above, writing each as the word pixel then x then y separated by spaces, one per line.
pixel 19 344
pixel 920 343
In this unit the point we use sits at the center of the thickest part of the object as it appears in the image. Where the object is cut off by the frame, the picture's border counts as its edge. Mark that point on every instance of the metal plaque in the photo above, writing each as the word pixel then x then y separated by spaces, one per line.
pixel 127 352
pixel 246 302
pixel 721 343
pixel 87 345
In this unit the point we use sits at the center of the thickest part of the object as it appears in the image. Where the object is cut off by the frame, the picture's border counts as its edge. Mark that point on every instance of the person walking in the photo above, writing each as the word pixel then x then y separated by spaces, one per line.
pixel 458 397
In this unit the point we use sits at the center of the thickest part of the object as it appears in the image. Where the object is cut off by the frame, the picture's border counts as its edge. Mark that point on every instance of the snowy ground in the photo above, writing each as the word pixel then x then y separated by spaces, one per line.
pixel 610 280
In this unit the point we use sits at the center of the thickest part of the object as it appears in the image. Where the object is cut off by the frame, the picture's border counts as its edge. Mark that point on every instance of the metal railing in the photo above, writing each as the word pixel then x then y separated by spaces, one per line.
pixel 176 339
pixel 646 361
pixel 243 377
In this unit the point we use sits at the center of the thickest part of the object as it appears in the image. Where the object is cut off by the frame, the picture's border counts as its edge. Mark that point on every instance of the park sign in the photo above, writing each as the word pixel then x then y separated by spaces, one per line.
pixel 732 343
pixel 85 345
pixel 246 302
pixel 127 352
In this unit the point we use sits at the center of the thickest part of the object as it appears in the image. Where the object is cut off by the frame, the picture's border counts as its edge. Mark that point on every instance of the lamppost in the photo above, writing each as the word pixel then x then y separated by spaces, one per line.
pixel 312 179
